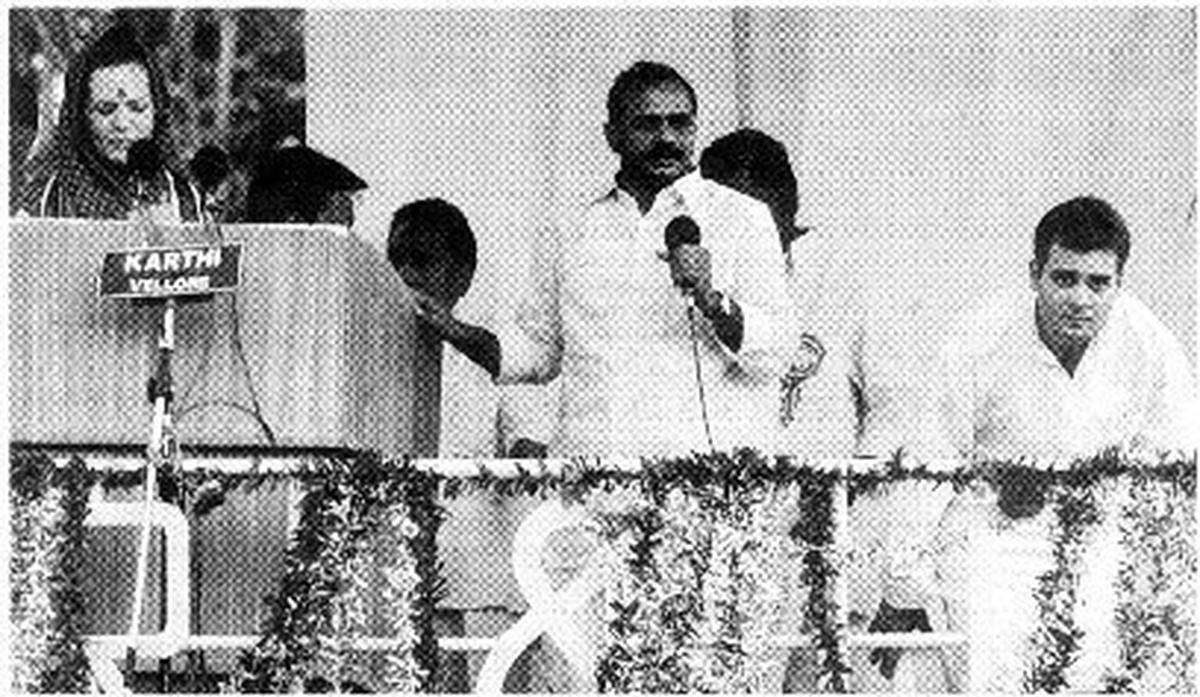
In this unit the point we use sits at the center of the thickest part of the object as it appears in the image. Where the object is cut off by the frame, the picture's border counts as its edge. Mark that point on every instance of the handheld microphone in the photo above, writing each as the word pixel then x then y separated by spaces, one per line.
pixel 144 161
pixel 680 231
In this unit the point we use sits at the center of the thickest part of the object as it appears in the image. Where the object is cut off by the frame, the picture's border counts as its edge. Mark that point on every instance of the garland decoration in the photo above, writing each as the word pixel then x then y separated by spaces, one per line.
pixel 815 531
pixel 1157 587
pixel 1057 636
pixel 648 625
pixel 694 583
pixel 48 506
pixel 702 588
pixel 352 515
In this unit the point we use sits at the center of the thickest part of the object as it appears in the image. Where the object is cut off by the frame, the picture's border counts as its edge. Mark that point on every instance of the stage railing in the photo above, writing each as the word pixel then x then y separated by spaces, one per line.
pixel 549 610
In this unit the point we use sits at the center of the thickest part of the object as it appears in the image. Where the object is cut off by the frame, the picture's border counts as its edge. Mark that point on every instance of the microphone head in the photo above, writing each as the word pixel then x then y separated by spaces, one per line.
pixel 209 166
pixel 681 230
pixel 144 159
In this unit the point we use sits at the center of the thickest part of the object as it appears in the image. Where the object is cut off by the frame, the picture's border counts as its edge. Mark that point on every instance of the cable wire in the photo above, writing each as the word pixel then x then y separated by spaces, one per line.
pixel 699 377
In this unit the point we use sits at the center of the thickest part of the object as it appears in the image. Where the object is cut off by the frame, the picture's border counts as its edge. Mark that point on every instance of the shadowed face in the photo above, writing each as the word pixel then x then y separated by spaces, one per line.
pixel 655 134
pixel 425 265
pixel 1075 291
pixel 120 109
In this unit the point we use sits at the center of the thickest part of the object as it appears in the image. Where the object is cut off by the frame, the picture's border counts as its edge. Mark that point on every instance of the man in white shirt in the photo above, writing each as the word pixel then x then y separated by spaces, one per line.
pixel 825 398
pixel 1075 368
pixel 1079 366
pixel 822 389
pixel 647 369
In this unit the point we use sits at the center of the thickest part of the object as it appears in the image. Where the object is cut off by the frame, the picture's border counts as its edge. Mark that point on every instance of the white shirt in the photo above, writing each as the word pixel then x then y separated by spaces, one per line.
pixel 604 313
pixel 482 420
pixel 1004 395
pixel 1001 394
pixel 828 335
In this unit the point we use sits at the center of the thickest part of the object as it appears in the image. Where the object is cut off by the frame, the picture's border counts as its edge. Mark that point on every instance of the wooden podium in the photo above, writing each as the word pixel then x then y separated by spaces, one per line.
pixel 320 326
pixel 327 343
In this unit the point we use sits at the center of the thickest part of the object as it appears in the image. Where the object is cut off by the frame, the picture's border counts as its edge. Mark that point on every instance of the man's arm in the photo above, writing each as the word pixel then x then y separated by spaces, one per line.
pixel 755 314
pixel 527 350
pixel 476 343
pixel 1174 408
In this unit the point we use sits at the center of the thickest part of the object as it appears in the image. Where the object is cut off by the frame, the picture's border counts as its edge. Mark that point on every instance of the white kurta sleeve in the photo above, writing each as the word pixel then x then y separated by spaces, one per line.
pixel 531 341
pixel 947 425
pixel 760 290
pixel 1173 414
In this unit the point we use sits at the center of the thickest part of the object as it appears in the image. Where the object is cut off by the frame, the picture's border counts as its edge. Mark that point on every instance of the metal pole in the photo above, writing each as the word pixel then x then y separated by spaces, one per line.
pixel 160 450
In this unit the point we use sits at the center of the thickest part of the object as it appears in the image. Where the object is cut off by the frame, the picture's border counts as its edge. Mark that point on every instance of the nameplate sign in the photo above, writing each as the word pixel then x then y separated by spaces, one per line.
pixel 169 271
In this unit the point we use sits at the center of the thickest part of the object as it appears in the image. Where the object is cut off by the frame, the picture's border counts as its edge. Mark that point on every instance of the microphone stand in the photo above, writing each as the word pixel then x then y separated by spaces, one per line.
pixel 161 450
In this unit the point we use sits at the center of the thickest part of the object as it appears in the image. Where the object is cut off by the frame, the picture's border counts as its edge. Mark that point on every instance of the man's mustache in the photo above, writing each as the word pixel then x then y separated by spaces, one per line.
pixel 664 151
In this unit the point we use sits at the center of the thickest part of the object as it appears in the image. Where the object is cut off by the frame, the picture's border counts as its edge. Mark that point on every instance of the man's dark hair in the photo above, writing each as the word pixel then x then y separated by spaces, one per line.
pixel 640 77
pixel 297 184
pixel 764 161
pixel 428 227
pixel 1083 224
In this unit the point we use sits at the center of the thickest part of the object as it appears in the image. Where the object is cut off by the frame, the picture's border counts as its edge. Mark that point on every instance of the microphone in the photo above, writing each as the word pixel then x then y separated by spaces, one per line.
pixel 209 167
pixel 144 161
pixel 680 231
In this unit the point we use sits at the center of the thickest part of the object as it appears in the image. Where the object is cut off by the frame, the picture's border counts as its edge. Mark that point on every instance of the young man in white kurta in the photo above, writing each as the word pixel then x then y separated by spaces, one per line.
pixel 1005 395
pixel 1065 372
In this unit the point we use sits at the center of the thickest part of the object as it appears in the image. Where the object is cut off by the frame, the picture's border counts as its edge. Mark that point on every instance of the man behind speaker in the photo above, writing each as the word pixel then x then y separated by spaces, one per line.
pixel 825 399
pixel 604 311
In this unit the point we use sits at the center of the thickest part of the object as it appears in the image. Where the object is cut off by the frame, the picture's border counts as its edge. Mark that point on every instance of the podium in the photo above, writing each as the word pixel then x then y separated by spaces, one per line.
pixel 319 331
pixel 327 344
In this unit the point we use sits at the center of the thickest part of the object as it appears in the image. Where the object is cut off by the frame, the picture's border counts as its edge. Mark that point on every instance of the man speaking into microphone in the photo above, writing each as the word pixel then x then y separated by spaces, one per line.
pixel 664 306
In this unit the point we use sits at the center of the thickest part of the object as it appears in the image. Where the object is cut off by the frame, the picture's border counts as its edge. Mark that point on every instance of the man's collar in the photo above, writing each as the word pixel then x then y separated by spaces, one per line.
pixel 685 187
pixel 1032 336
pixel 1045 353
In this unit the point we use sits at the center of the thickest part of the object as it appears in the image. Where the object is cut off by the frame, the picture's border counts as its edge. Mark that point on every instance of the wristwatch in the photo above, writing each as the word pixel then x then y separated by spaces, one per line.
pixel 716 302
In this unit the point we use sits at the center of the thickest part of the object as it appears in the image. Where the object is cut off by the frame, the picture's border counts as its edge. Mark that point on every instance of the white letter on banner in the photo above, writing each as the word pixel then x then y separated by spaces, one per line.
pixel 133 262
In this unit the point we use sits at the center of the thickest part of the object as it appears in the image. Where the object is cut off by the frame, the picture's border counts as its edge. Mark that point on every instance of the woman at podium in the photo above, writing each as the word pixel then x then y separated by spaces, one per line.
pixel 111 154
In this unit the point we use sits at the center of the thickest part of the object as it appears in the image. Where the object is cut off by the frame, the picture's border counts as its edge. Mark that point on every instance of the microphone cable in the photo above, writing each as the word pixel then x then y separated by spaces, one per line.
pixel 255 410
pixel 691 314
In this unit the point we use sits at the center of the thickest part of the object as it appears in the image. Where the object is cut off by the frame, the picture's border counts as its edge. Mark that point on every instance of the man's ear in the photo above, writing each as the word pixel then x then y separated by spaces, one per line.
pixel 1033 274
pixel 610 136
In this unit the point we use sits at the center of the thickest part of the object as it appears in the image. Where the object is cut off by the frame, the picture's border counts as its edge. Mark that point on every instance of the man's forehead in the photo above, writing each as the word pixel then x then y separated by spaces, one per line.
pixel 1092 262
pixel 660 98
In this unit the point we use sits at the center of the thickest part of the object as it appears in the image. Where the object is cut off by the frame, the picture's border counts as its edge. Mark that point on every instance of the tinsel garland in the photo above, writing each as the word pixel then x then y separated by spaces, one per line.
pixel 1157 589
pixel 649 622
pixel 680 620
pixel 1057 637
pixel 702 588
pixel 351 510
pixel 742 589
pixel 815 531
pixel 48 506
